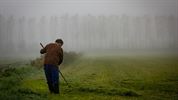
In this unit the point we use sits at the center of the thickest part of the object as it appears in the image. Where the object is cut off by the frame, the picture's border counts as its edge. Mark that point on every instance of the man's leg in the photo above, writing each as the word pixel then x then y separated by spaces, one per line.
pixel 55 79
pixel 47 69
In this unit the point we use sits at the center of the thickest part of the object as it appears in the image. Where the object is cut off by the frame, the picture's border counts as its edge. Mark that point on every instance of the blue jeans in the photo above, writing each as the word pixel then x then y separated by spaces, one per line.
pixel 52 77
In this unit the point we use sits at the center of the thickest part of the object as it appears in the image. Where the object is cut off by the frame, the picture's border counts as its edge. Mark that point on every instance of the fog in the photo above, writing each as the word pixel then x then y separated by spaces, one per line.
pixel 88 26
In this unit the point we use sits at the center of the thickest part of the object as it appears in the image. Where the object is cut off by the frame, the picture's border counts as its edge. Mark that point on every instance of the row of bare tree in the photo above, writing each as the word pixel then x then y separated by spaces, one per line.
pixel 83 33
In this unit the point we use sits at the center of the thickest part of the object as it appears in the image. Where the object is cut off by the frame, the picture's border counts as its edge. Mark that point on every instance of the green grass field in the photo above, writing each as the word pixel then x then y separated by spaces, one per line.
pixel 97 78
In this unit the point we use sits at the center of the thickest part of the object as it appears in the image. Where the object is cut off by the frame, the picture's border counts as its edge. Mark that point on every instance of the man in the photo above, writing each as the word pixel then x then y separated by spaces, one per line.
pixel 53 58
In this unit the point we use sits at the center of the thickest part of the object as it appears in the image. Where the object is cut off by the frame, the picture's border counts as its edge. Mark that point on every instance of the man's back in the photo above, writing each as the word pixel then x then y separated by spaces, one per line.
pixel 54 54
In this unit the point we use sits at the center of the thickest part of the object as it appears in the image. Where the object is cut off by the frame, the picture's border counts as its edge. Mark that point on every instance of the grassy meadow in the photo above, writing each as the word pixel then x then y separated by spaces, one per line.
pixel 95 78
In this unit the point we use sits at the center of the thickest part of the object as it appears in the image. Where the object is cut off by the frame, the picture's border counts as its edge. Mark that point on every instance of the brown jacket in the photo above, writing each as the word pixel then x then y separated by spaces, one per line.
pixel 54 54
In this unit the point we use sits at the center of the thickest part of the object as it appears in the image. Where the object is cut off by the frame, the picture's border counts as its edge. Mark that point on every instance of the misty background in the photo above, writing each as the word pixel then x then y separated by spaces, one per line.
pixel 88 25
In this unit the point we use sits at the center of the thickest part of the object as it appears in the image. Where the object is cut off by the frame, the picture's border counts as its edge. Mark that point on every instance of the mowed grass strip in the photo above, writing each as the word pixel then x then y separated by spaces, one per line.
pixel 143 75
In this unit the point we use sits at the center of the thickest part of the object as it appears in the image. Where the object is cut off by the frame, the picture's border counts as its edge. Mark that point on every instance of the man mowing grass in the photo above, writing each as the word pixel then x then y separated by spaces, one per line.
pixel 53 58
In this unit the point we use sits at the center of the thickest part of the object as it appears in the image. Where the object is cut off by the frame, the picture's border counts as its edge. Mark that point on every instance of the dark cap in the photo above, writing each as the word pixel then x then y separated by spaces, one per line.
pixel 59 41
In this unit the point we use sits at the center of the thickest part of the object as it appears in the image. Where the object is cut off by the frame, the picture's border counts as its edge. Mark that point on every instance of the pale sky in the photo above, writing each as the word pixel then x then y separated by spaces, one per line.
pixel 94 7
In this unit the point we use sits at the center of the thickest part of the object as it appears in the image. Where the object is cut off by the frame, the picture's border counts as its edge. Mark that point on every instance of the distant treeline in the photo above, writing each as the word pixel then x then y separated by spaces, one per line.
pixel 85 33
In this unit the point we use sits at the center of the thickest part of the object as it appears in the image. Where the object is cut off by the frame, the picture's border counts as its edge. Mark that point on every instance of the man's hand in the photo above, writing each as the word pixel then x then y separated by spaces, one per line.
pixel 42 51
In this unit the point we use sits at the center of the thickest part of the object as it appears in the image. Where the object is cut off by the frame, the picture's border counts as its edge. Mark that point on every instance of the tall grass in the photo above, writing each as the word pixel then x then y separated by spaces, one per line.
pixel 10 85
